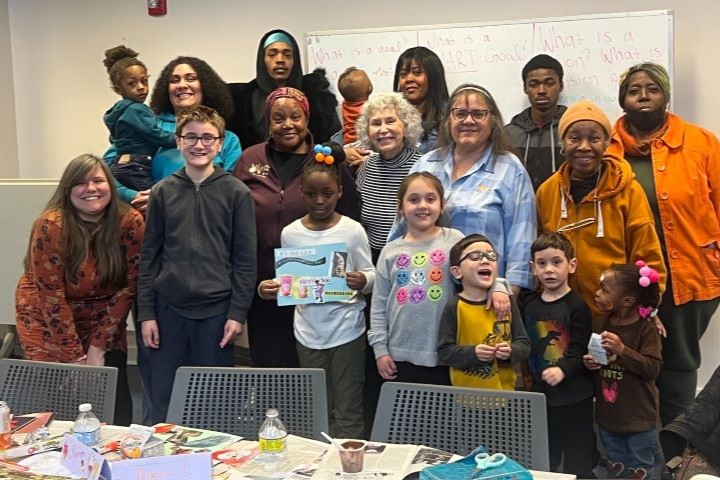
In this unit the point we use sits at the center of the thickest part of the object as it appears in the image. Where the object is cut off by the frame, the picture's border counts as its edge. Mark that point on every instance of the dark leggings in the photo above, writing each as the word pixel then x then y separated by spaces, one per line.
pixel 123 399
pixel 685 325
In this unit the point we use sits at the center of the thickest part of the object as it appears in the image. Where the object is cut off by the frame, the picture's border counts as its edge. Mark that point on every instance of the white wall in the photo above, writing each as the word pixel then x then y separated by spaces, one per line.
pixel 8 132
pixel 60 86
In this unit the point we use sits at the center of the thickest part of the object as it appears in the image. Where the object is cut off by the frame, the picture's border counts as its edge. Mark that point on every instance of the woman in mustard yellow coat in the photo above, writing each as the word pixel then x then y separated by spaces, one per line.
pixel 594 200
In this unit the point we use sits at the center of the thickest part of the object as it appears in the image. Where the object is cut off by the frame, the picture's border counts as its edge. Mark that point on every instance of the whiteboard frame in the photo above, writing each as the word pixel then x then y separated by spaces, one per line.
pixel 600 16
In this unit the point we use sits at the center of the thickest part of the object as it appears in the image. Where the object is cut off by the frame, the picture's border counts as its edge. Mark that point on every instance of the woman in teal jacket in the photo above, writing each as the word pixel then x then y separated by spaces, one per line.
pixel 184 82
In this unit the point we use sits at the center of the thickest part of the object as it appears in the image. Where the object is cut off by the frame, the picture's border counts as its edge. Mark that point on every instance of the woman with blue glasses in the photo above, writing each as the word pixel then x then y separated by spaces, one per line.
pixel 487 190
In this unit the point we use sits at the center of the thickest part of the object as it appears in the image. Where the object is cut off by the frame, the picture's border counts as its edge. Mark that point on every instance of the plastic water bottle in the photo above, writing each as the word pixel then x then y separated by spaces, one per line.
pixel 273 438
pixel 87 426
pixel 5 430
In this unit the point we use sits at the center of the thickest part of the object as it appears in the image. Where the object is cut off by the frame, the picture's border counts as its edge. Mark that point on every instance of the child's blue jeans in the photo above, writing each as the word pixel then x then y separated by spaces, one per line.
pixel 629 454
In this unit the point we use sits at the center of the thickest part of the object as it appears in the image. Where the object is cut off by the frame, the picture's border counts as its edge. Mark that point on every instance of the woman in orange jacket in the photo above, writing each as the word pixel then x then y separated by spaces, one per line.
pixel 595 202
pixel 678 165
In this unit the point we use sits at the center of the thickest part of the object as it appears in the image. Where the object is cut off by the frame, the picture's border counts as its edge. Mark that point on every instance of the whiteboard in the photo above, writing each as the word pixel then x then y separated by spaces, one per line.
pixel 593 49
pixel 22 201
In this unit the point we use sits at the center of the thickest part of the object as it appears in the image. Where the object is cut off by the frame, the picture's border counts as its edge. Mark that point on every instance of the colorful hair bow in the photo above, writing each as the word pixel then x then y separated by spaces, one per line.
pixel 323 155
pixel 647 275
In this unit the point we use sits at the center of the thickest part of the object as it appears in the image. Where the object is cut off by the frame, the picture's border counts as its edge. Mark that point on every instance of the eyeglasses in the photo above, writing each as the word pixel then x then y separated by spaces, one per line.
pixel 192 139
pixel 477 255
pixel 461 114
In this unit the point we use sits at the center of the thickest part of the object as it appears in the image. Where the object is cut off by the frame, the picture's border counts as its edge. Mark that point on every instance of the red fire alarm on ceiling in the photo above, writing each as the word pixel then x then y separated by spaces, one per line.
pixel 157 7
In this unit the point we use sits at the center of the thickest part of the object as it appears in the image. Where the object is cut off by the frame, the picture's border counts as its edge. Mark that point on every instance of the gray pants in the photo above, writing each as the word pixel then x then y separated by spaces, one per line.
pixel 344 367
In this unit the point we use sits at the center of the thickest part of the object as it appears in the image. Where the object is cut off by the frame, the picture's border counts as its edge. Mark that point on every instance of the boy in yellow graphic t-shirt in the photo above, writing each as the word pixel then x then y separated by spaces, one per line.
pixel 479 347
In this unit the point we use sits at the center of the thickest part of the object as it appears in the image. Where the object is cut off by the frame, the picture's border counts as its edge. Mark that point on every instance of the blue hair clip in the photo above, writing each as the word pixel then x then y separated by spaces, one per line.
pixel 323 155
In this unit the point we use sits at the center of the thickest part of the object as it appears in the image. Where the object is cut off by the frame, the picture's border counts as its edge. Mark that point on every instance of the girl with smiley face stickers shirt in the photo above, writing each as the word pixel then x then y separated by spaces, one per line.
pixel 412 286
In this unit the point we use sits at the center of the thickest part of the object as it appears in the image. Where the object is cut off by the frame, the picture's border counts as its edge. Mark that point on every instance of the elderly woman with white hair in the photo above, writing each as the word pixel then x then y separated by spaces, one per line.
pixel 389 126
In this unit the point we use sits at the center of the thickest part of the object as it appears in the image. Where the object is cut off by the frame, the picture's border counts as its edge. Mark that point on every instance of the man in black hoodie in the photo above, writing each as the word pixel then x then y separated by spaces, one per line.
pixel 278 65
pixel 534 132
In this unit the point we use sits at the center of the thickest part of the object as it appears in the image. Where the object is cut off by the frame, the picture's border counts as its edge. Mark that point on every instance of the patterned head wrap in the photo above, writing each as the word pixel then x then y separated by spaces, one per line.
pixel 287 92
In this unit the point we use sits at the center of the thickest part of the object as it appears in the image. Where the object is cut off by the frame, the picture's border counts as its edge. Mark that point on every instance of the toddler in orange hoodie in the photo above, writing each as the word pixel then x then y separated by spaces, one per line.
pixel 355 87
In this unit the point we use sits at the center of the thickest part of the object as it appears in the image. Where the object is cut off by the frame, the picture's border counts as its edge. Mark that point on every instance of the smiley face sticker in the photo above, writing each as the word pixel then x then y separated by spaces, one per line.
pixel 435 293
pixel 401 296
pixel 417 294
pixel 437 257
pixel 436 275
pixel 419 259
pixel 402 260
pixel 418 276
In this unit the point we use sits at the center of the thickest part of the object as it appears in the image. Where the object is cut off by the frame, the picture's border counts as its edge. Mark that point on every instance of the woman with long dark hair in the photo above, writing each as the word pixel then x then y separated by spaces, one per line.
pixel 73 299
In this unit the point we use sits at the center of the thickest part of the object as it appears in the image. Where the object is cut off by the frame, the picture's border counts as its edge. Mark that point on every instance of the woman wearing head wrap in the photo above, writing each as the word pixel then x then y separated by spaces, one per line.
pixel 678 165
pixel 594 200
pixel 279 65
pixel 272 171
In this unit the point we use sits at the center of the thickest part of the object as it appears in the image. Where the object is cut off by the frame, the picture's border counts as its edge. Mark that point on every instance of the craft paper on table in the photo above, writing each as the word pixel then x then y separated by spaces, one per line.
pixel 31 422
pixel 595 349
pixel 179 440
pixel 312 274
pixel 196 466
pixel 47 463
pixel 82 460
pixel 51 443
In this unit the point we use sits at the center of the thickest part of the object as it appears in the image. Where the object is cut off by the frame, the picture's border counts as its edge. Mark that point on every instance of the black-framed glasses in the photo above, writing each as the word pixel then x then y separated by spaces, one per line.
pixel 477 255
pixel 206 140
pixel 461 114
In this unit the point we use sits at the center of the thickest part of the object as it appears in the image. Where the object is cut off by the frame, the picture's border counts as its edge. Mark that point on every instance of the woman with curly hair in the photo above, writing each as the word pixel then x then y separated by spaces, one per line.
pixel 390 127
pixel 80 276
pixel 184 82
pixel 420 78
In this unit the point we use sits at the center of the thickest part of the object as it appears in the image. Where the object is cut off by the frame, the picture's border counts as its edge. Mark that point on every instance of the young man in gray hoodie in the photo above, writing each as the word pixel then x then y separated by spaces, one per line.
pixel 533 132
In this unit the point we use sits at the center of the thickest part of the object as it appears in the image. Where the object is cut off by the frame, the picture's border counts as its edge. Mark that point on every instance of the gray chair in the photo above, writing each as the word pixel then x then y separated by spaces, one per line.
pixel 32 387
pixel 234 400
pixel 459 420
pixel 7 345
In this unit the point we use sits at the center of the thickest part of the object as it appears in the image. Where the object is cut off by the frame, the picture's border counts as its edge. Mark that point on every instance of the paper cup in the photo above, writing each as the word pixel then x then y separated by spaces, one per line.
pixel 352 455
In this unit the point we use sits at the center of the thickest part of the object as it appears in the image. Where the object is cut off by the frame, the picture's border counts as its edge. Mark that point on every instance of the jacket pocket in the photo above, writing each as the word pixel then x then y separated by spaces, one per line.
pixel 710 258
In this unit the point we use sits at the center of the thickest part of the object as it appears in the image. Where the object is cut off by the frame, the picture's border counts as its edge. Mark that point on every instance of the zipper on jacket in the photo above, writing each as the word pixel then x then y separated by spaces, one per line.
pixel 195 235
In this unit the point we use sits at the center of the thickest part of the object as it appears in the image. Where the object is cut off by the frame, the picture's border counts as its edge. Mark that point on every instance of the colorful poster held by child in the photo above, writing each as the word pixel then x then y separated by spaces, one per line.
pixel 311 274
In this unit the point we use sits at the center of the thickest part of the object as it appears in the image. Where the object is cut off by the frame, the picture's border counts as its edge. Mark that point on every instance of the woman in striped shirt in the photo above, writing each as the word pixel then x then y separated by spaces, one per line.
pixel 389 126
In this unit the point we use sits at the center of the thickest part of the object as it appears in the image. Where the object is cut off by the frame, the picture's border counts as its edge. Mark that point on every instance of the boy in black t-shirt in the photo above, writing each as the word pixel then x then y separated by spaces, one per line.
pixel 559 324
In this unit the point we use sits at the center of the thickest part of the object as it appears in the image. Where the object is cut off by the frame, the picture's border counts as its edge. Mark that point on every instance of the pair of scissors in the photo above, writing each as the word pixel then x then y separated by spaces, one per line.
pixel 484 461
